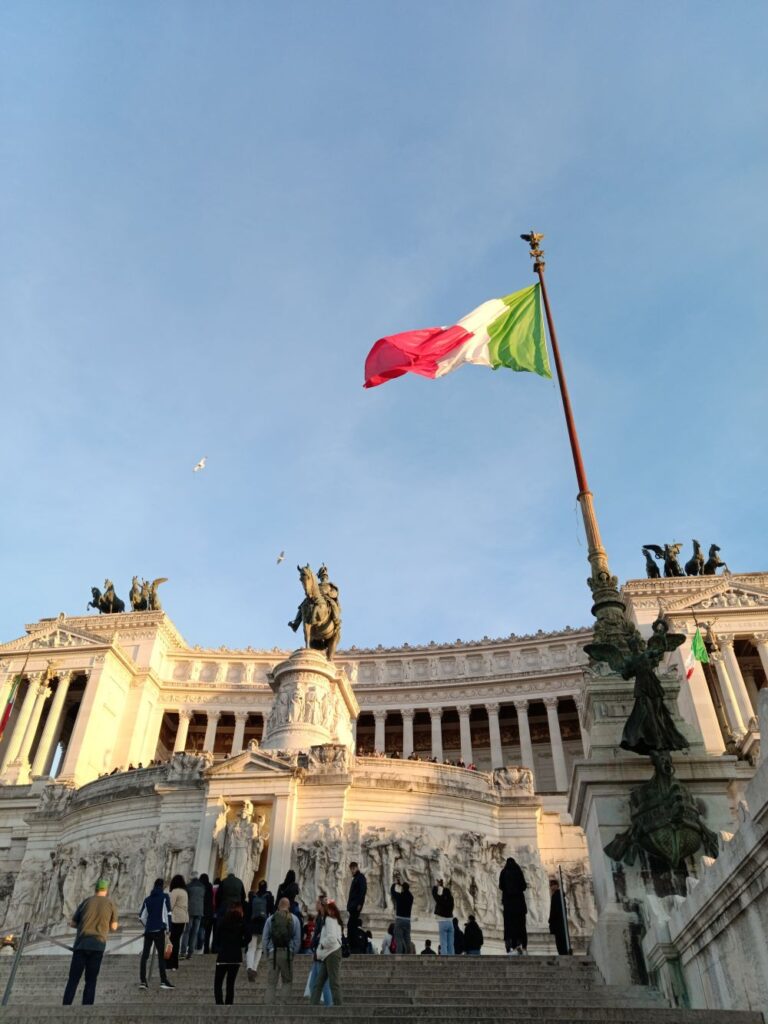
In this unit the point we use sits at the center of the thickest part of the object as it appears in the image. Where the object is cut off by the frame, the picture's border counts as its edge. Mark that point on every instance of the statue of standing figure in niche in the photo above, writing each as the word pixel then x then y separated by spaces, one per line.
pixel 650 725
pixel 241 842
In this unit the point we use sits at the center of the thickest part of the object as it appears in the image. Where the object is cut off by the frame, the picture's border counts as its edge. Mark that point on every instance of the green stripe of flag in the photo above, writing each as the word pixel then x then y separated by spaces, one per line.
pixel 517 338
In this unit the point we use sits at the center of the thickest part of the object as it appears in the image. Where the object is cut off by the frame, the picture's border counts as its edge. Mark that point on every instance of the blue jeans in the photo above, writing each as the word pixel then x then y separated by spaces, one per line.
pixel 473 952
pixel 189 938
pixel 88 960
pixel 402 934
pixel 445 930
pixel 327 997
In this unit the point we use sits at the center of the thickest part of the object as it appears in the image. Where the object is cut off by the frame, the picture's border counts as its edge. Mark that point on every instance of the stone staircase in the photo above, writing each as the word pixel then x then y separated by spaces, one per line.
pixel 376 990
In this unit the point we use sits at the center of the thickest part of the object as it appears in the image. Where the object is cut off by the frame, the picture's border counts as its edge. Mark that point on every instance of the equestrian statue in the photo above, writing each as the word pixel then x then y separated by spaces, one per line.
pixel 144 596
pixel 695 566
pixel 106 602
pixel 320 612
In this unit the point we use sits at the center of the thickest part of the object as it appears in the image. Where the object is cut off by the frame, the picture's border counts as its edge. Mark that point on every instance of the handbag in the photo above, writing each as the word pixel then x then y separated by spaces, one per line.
pixel 168 950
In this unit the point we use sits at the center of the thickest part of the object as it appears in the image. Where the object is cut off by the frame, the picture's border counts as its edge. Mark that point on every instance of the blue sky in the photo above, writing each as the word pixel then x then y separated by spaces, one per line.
pixel 210 211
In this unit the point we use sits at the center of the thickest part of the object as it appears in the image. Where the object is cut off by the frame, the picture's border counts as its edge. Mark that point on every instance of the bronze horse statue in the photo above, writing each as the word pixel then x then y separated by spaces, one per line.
pixel 668 554
pixel 107 603
pixel 321 631
pixel 714 562
pixel 695 566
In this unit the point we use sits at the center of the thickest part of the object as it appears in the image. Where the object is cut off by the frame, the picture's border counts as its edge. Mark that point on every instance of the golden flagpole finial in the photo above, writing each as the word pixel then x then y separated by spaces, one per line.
pixel 537 253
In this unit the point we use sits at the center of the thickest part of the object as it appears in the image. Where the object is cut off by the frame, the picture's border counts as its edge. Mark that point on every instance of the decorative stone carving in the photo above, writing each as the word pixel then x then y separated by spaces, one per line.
pixel 513 778
pixel 184 767
pixel 329 757
pixel 241 842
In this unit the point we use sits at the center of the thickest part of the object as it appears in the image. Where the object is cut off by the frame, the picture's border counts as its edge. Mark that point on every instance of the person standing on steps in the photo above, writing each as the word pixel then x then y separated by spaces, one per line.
pixel 207 913
pixel 513 885
pixel 557 925
pixel 179 918
pixel 196 897
pixel 473 937
pixel 281 941
pixel 94 919
pixel 329 956
pixel 356 900
pixel 443 898
pixel 232 939
pixel 428 951
pixel 458 938
pixel 262 908
pixel 155 915
pixel 402 897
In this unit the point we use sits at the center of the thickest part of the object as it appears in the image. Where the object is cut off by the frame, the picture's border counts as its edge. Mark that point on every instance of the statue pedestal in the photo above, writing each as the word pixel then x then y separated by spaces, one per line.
pixel 314 704
pixel 598 801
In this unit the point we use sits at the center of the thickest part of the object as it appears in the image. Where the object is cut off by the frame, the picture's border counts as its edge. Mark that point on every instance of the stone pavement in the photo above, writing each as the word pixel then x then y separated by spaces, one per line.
pixel 376 989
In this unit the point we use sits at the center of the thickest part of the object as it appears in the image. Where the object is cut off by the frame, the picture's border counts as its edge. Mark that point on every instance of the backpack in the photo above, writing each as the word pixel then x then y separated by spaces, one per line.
pixel 282 929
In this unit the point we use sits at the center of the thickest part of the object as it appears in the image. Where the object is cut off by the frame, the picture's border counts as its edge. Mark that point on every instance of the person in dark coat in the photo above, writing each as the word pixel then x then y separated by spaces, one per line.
pixel 231 940
pixel 458 938
pixel 207 912
pixel 473 937
pixel 557 918
pixel 513 885
pixel 356 899
pixel 288 888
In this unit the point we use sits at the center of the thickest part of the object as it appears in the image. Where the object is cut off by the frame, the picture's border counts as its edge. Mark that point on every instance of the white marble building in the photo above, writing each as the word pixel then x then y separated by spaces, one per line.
pixel 101 693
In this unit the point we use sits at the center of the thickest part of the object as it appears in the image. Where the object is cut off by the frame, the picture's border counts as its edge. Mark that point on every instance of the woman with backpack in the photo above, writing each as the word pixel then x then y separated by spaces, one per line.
pixel 262 907
pixel 231 939
pixel 329 956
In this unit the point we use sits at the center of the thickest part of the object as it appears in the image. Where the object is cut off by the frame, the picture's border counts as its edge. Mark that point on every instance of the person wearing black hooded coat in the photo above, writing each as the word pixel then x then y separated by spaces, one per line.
pixel 513 885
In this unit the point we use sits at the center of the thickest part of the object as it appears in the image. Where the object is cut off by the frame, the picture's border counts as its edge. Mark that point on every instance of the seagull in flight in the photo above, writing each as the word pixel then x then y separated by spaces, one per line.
pixel 281 557
pixel 200 465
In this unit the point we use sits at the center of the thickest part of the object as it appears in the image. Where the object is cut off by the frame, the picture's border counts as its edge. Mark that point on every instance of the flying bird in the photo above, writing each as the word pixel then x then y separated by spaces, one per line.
pixel 281 557
pixel 200 465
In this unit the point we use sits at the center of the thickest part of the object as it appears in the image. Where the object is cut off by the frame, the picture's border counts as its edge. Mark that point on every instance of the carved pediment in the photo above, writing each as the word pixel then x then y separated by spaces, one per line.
pixel 721 595
pixel 54 638
pixel 251 763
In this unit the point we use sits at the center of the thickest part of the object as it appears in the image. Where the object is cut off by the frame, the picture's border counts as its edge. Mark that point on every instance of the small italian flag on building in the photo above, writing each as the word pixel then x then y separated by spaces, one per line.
pixel 9 705
pixel 698 653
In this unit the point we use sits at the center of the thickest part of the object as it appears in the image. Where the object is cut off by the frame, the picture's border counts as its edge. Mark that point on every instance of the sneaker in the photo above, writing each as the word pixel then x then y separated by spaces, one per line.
pixel 142 984
pixel 166 984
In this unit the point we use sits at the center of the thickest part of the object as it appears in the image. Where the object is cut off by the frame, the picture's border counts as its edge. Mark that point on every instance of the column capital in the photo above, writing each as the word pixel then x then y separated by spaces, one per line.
pixel 380 714
pixel 726 639
pixel 408 714
pixel 550 702
pixel 521 705
pixel 241 716
pixel 436 712
pixel 185 714
pixel 760 638
pixel 464 709
pixel 492 708
pixel 213 716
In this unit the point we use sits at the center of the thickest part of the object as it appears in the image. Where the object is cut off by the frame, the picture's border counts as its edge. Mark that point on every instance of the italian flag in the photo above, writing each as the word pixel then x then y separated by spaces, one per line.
pixel 698 653
pixel 502 332
pixel 9 705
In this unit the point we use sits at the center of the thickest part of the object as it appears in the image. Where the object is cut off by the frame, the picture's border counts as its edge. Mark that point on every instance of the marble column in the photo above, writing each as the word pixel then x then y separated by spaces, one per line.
pixel 760 640
pixel 180 743
pixel 22 757
pixel 52 725
pixel 210 730
pixel 241 717
pixel 555 738
pixel 20 726
pixel 737 679
pixel 407 731
pixel 465 733
pixel 380 739
pixel 436 715
pixel 523 725
pixel 735 721
pixel 497 755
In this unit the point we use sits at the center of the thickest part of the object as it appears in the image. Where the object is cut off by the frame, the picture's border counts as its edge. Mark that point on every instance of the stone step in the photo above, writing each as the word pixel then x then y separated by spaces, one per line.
pixel 170 1012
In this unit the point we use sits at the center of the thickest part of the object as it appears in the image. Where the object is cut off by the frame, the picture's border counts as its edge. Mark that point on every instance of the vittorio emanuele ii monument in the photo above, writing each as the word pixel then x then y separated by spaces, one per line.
pixel 624 756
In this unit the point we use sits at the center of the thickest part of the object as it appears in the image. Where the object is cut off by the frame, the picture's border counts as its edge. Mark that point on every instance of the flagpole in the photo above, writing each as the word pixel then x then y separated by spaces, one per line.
pixel 608 608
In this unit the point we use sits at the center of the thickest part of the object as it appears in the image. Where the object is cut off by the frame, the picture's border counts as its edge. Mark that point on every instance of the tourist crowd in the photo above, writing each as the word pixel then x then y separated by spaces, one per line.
pixel 220 918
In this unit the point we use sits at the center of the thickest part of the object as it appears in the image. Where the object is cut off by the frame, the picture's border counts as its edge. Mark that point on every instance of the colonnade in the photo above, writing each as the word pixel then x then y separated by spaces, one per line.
pixel 737 703
pixel 494 731
pixel 19 747
pixel 211 725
